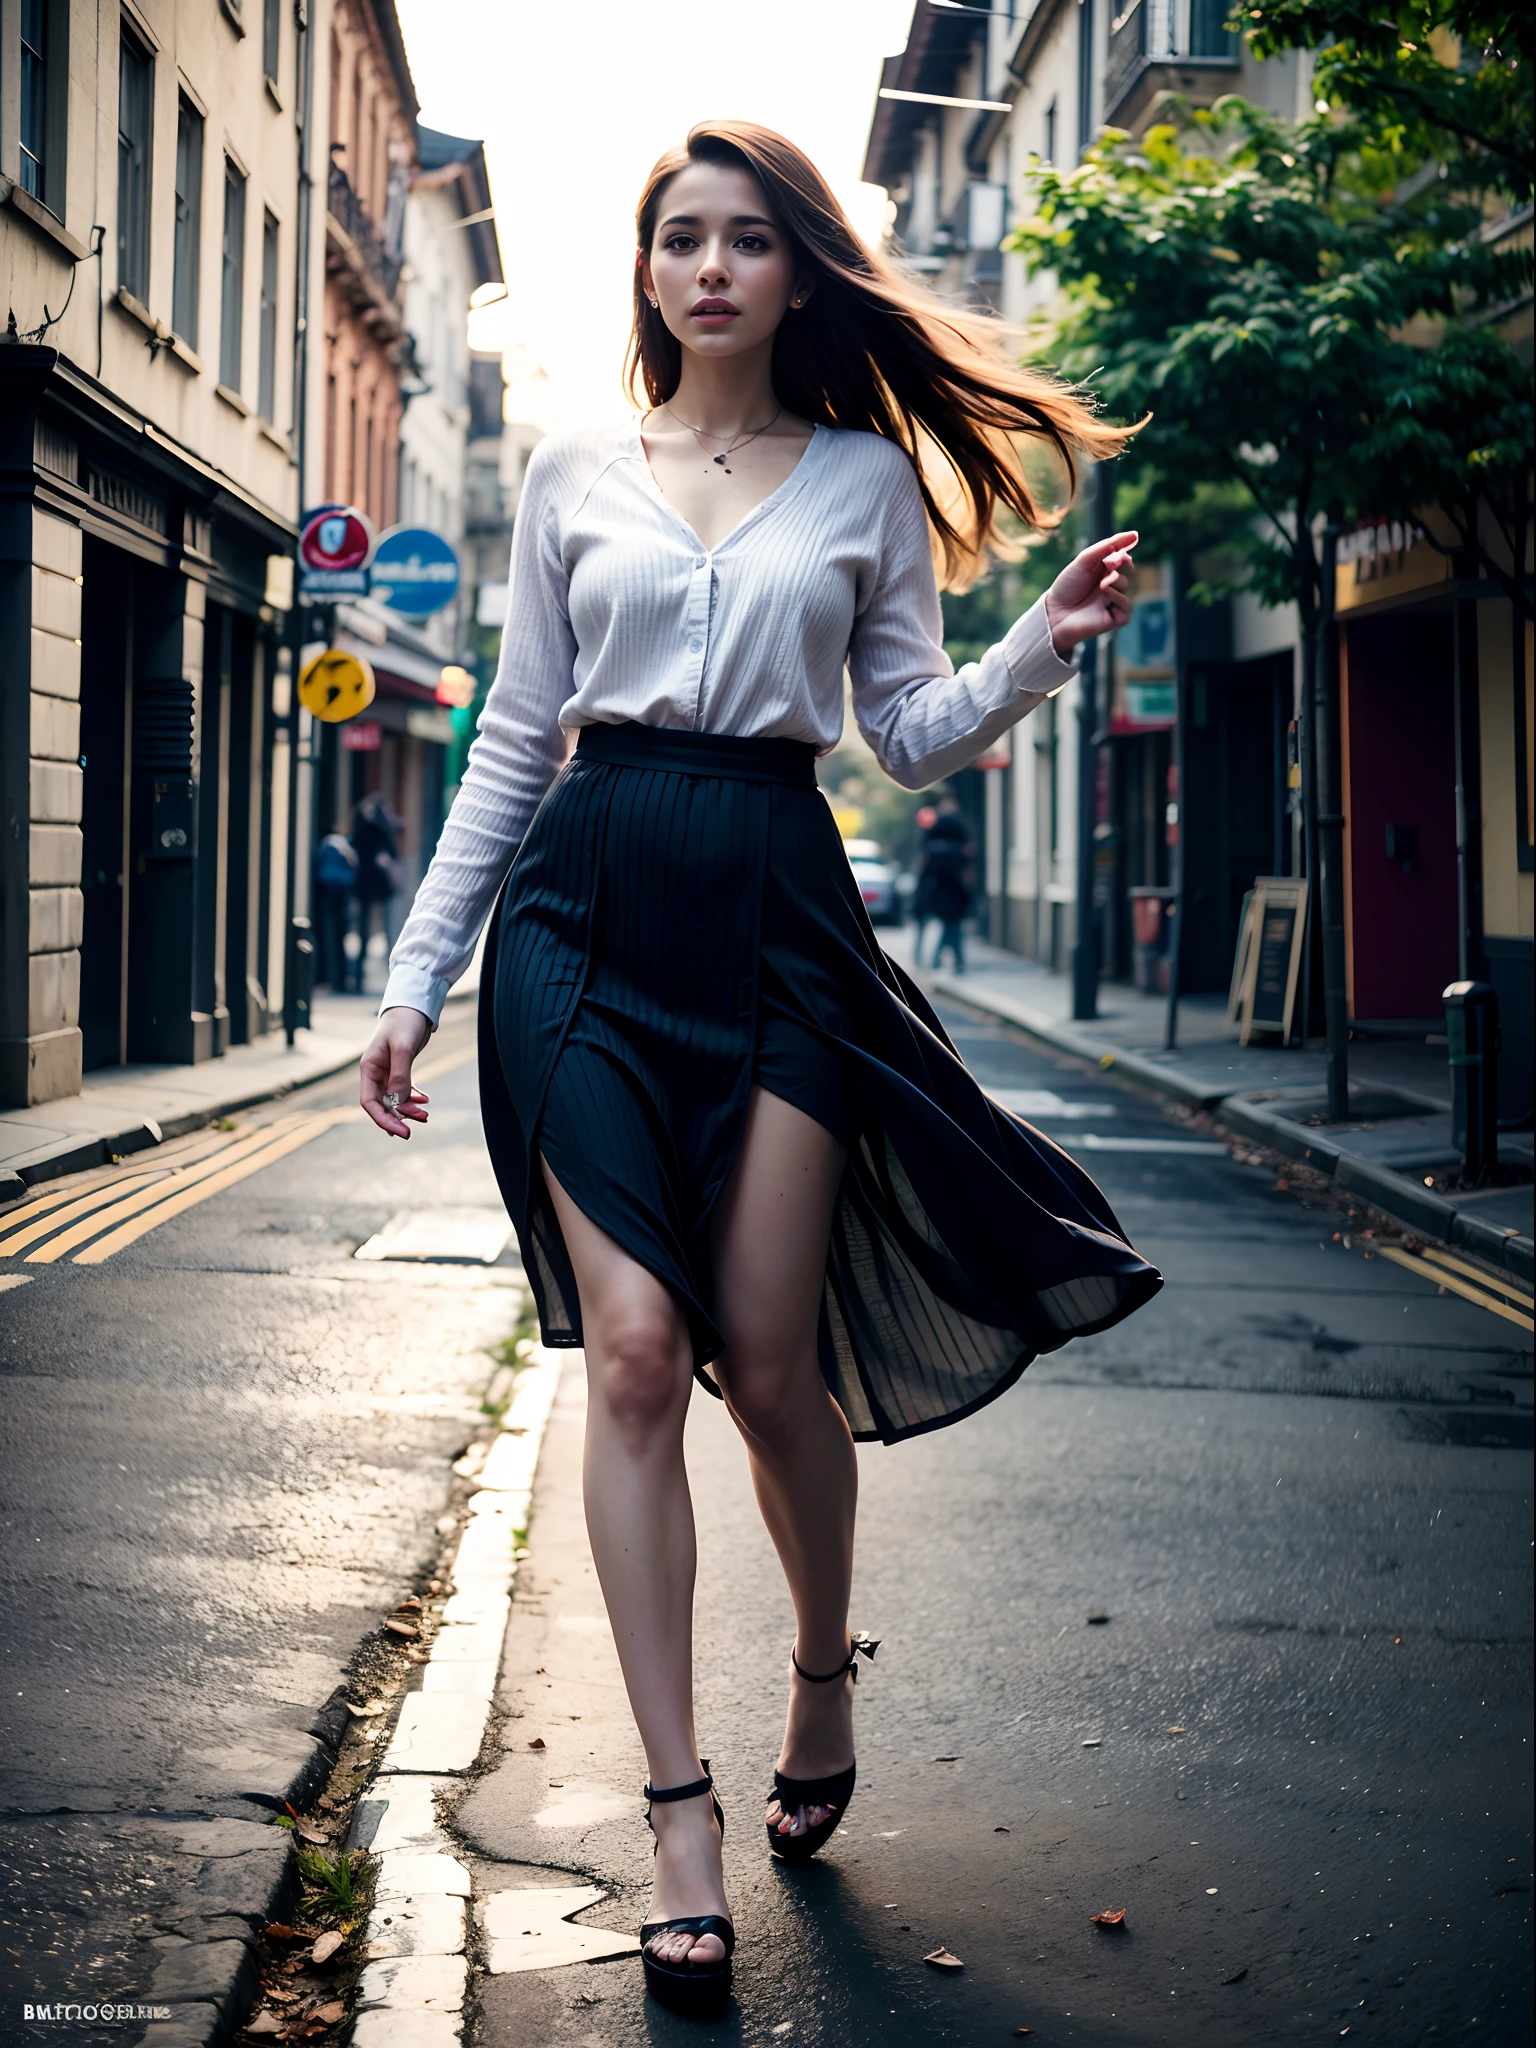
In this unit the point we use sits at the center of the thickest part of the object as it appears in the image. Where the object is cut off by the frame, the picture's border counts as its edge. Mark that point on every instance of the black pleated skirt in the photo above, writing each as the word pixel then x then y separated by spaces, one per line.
pixel 680 921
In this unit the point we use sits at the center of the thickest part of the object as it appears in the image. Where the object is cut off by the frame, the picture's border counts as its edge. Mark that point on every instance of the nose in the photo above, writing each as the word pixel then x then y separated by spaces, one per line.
pixel 713 268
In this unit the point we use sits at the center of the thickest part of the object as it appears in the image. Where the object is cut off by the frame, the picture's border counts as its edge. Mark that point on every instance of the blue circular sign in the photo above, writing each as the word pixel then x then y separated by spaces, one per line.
pixel 415 572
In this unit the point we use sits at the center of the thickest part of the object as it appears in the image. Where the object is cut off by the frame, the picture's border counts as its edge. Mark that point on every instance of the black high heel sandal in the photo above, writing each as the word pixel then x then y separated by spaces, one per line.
pixel 696 1990
pixel 835 1792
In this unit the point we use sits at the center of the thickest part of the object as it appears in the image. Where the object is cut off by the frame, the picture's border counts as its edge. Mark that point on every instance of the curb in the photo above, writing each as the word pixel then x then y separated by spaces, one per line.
pixel 79 1156
pixel 1148 1073
pixel 1394 1193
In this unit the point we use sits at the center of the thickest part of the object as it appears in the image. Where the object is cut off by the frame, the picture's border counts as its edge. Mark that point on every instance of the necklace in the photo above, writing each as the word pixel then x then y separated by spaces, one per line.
pixel 739 441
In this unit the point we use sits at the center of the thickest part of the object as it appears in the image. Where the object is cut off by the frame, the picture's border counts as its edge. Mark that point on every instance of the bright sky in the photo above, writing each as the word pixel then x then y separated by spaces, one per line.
pixel 576 99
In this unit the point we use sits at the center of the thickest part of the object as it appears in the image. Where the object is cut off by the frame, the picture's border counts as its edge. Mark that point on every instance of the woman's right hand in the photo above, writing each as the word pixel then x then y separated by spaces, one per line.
pixel 386 1070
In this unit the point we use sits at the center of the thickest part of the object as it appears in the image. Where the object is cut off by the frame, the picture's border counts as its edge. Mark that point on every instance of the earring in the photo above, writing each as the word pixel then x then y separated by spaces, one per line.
pixel 655 304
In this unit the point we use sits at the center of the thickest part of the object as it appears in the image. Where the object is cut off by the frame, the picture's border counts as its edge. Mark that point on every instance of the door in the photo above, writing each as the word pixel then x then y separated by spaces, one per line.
pixel 106 713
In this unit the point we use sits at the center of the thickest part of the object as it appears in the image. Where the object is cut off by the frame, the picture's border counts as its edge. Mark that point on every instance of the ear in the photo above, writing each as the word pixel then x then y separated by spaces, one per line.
pixel 642 264
pixel 801 294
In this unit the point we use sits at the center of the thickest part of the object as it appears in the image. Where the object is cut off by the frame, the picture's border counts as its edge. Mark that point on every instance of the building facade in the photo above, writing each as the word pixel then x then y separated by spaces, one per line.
pixel 156 258
pixel 1413 625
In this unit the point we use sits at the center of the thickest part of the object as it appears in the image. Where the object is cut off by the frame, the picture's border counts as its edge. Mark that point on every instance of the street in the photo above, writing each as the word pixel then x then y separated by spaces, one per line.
pixel 1222 1618
pixel 226 1449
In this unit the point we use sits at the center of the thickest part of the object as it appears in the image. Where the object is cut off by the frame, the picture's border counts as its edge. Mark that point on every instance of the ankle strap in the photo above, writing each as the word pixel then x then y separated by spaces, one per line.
pixel 670 1792
pixel 860 1644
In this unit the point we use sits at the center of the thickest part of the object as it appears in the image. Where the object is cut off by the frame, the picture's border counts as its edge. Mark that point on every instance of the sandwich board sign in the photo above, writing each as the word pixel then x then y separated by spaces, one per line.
pixel 1268 964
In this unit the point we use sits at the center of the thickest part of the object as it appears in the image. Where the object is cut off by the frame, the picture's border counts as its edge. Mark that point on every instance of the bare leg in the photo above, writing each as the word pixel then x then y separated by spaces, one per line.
pixel 640 1521
pixel 770 1258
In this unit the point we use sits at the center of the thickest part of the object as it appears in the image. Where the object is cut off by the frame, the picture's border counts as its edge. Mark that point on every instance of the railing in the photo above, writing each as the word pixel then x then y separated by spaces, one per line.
pixel 348 211
pixel 1147 32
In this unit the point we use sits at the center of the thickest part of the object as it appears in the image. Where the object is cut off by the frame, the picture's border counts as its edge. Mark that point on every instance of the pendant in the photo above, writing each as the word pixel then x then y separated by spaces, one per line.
pixel 720 458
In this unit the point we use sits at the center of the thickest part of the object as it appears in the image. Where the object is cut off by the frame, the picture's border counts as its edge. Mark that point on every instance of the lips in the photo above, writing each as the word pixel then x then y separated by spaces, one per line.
pixel 712 309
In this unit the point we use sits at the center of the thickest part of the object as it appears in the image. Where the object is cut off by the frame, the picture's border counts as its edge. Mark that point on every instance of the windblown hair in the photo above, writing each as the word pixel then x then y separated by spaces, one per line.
pixel 873 350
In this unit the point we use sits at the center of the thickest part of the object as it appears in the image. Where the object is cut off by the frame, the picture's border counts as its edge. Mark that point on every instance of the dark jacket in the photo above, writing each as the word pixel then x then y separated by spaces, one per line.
pixel 944 880
pixel 376 842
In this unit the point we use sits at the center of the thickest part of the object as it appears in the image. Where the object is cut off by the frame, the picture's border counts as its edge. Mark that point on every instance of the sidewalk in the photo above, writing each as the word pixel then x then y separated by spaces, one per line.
pixel 123 1109
pixel 1398 1141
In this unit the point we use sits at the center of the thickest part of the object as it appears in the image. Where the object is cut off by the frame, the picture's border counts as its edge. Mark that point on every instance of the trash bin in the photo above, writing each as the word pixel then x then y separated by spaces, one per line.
pixel 1472 1036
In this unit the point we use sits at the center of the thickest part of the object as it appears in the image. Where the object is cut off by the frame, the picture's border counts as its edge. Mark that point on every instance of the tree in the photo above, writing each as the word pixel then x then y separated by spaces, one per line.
pixel 1298 323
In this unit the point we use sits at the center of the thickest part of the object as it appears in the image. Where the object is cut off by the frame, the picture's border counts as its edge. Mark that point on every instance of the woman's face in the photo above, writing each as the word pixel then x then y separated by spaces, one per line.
pixel 720 268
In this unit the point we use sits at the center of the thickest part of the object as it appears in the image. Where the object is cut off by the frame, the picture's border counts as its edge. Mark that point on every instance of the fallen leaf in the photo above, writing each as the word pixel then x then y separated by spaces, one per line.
pixel 306 1833
pixel 327 1802
pixel 1094 1742
pixel 264 2023
pixel 1112 1917
pixel 941 1959
pixel 331 2013
pixel 411 1600
pixel 326 1946
pixel 537 1742
pixel 278 1932
pixel 1174 1731
pixel 400 1627
pixel 362 1713
pixel 1237 1976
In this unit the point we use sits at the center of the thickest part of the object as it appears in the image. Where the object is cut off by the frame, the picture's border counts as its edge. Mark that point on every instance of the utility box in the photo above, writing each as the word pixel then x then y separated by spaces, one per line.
pixel 1472 1036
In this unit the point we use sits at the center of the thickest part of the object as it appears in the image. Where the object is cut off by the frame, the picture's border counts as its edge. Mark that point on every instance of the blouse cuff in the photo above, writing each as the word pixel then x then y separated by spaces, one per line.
pixel 413 988
pixel 1037 669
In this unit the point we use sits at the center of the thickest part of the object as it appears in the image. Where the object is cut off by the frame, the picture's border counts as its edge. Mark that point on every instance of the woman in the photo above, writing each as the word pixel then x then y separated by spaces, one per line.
pixel 734 1139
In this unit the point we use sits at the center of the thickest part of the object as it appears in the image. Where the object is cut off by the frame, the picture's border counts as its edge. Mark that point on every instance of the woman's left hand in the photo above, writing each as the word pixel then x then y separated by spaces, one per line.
pixel 1091 596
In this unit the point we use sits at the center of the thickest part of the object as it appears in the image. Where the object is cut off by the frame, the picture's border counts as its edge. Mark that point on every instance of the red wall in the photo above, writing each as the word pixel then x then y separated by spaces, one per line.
pixel 1400 745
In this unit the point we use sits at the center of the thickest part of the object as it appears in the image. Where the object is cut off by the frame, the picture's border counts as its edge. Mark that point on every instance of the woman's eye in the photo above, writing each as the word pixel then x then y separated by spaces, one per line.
pixel 751 242
pixel 676 242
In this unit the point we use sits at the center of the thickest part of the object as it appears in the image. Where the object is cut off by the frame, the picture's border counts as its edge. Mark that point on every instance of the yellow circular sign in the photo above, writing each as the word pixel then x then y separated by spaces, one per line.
pixel 336 686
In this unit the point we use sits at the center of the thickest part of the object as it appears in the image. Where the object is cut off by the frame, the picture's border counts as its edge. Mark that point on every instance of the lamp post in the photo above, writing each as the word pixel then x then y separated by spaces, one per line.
pixel 1085 951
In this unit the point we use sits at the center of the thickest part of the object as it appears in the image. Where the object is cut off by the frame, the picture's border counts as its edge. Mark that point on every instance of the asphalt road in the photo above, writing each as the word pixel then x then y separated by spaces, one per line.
pixel 225 1451
pixel 1294 1746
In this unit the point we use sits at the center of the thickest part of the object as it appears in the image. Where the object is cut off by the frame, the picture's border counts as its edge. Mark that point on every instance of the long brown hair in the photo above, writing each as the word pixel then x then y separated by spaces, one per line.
pixel 873 350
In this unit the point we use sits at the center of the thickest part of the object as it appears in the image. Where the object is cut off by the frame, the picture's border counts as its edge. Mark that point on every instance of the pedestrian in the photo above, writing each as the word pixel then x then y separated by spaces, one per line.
pixel 944 884
pixel 380 872
pixel 335 880
pixel 734 1138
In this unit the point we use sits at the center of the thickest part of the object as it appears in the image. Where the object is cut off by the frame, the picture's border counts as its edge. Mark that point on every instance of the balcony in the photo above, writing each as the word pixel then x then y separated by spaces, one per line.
pixel 355 248
pixel 1158 46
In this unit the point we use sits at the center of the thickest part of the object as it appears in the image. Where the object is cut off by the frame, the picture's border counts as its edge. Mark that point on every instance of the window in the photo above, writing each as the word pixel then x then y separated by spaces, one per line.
pixel 1208 36
pixel 135 102
pixel 266 375
pixel 189 215
pixel 271 38
pixel 232 297
pixel 34 99
pixel 1050 133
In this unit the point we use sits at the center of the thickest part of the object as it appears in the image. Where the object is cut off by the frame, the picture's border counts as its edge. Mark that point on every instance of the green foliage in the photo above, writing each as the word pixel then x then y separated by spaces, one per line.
pixel 1304 341
pixel 1446 79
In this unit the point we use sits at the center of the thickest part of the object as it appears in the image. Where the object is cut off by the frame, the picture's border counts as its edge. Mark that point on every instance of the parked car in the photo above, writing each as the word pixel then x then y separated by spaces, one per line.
pixel 879 883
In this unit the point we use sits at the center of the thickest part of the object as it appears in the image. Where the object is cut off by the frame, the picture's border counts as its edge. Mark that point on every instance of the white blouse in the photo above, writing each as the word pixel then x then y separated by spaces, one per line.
pixel 619 612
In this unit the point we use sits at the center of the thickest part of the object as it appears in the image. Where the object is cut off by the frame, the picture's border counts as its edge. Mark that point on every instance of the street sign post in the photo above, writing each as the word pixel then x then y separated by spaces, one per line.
pixel 335 686
pixel 335 547
pixel 415 571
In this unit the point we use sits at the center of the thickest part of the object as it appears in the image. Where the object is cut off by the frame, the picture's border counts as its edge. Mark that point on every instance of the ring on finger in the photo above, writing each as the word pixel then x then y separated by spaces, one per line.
pixel 391 1102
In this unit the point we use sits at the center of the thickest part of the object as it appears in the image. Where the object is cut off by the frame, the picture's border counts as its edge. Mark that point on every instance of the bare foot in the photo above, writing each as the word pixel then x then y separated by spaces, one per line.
pixel 688 1881
pixel 818 1743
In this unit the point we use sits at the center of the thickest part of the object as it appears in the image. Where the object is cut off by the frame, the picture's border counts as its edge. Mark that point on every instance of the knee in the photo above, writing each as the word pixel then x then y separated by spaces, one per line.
pixel 642 1377
pixel 766 1401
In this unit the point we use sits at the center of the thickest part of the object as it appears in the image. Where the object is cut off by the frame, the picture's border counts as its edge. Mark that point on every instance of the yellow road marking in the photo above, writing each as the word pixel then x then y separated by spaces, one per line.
pixel 66 1206
pixel 188 1198
pixel 1457 1286
pixel 1520 1296
pixel 114 1209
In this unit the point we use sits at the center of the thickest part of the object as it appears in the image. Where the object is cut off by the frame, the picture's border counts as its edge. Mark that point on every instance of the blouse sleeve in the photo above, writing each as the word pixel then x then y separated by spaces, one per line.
pixel 922 716
pixel 517 753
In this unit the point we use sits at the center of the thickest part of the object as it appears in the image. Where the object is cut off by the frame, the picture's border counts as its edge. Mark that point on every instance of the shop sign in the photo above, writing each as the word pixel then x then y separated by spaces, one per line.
pixel 1145 696
pixel 415 572
pixel 336 686
pixel 335 547
pixel 456 687
pixel 365 737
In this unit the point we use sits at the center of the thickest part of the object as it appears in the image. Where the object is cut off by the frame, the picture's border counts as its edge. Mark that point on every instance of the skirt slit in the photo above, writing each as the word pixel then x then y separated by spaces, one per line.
pixel 681 923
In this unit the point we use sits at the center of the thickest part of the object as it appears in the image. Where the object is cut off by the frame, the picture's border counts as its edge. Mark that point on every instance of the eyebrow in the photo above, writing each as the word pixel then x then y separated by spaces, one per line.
pixel 737 220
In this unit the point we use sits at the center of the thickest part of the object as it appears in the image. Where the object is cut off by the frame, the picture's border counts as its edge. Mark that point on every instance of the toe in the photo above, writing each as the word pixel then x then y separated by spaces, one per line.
pixel 709 1948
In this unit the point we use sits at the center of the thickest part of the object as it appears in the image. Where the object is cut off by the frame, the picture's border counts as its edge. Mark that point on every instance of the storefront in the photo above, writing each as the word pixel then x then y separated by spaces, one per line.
pixel 144 755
